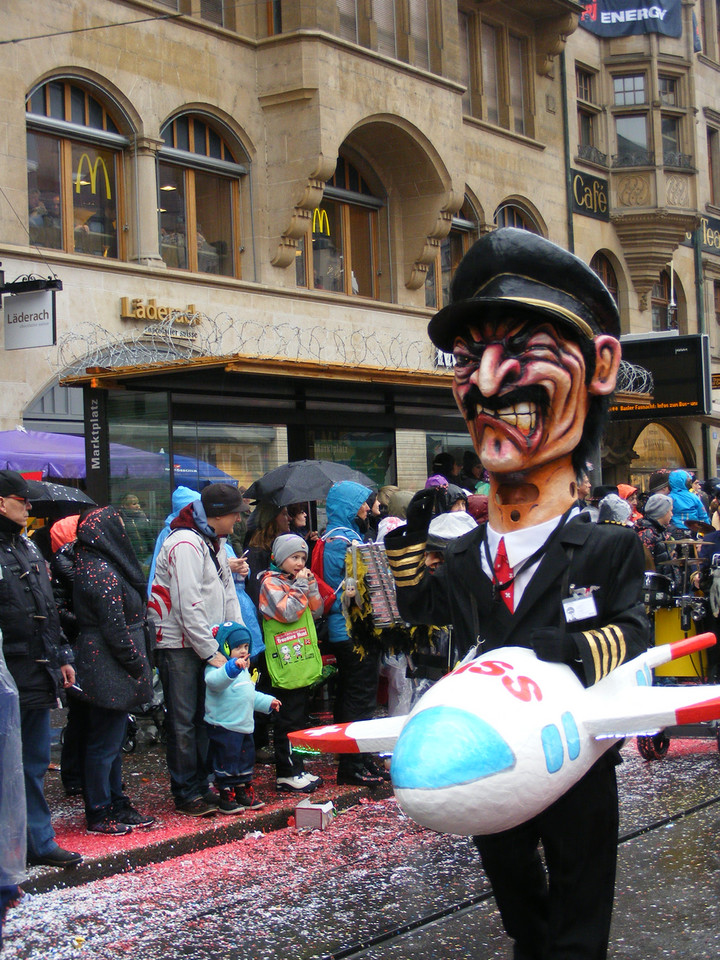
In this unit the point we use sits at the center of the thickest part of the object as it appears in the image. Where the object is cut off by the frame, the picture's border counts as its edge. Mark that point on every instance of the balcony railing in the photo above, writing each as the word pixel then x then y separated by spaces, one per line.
pixel 634 158
pixel 672 159
pixel 592 154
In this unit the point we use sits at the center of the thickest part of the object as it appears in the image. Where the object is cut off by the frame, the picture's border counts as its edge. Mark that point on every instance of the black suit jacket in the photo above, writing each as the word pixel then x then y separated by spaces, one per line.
pixel 606 557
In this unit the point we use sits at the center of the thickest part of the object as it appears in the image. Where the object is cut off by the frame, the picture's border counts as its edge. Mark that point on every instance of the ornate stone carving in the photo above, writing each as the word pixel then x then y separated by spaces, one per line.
pixel 311 197
pixel 633 191
pixel 677 191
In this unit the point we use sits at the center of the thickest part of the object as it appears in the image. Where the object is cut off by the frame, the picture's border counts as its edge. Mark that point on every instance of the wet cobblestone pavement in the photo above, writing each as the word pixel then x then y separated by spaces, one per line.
pixel 376 886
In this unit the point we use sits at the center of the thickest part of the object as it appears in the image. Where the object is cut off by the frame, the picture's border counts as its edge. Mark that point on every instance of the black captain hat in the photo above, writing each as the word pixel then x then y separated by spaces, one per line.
pixel 515 271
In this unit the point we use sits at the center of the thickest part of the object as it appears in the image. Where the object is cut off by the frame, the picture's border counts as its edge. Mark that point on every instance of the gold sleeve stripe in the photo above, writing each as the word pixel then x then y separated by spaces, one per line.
pixel 608 649
pixel 594 641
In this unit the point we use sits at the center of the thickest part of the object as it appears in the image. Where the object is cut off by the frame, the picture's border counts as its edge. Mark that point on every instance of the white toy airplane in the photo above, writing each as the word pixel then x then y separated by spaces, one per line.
pixel 502 736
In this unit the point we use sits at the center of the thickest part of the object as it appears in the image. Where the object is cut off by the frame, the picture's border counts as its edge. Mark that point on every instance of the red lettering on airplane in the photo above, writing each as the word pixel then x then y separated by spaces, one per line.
pixel 523 688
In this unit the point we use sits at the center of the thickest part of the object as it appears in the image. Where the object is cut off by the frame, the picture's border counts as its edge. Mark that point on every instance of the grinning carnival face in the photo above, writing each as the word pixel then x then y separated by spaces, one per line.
pixel 520 384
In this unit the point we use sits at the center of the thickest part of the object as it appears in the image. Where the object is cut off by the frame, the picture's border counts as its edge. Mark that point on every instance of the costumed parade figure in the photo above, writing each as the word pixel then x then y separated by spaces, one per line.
pixel 535 335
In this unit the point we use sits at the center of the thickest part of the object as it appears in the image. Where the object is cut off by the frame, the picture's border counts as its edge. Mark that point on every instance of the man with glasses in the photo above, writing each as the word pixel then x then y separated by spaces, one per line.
pixel 38 658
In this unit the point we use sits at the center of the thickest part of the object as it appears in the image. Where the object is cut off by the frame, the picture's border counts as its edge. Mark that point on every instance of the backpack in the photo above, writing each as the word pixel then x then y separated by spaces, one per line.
pixel 317 568
pixel 292 655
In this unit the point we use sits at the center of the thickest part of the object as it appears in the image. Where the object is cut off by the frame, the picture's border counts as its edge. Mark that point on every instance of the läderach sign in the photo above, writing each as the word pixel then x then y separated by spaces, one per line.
pixel 151 311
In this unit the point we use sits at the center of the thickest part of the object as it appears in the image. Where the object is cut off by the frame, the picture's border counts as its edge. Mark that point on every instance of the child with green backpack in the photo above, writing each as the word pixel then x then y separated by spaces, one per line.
pixel 289 597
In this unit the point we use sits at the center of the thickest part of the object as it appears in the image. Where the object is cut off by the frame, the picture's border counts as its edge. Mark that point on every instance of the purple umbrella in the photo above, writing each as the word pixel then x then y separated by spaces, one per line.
pixel 63 455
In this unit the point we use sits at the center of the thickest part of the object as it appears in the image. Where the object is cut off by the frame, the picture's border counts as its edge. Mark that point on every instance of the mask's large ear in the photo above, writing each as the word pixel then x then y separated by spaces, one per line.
pixel 608 354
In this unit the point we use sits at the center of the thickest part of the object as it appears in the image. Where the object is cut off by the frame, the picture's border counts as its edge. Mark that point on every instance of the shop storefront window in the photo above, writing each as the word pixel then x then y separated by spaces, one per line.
pixel 655 449
pixel 370 452
pixel 456 444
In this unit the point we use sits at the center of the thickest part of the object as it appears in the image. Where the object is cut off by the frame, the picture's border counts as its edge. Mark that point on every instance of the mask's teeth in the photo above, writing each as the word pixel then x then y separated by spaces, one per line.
pixel 522 416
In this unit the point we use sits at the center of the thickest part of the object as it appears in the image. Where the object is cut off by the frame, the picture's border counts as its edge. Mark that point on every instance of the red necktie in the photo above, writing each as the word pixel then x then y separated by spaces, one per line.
pixel 503 574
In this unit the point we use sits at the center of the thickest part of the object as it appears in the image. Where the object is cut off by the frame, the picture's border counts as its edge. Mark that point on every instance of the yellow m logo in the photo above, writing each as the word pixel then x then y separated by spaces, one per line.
pixel 92 173
pixel 320 224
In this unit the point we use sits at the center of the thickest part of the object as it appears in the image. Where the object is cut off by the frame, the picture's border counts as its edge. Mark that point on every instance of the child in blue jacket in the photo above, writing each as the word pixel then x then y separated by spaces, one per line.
pixel 230 700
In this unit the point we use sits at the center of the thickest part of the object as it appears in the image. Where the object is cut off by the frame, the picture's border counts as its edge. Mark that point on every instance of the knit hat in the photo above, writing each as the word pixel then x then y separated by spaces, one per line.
pixel 613 509
pixel 477 507
pixel 448 526
pixel 219 499
pixel 285 546
pixel 657 506
pixel 230 635
pixel 626 490
pixel 658 480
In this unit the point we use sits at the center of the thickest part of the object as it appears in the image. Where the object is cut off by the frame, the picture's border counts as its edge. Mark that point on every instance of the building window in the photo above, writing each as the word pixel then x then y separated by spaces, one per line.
pixel 212 11
pixel 348 20
pixel 587 114
pixel 74 163
pixel 664 315
pixel 489 44
pixel 713 144
pixel 670 128
pixel 500 59
pixel 511 215
pixel 629 91
pixel 198 198
pixel 465 64
pixel 340 252
pixel 383 12
pixel 273 12
pixel 632 141
pixel 604 269
pixel 453 247
pixel 668 91
pixel 420 34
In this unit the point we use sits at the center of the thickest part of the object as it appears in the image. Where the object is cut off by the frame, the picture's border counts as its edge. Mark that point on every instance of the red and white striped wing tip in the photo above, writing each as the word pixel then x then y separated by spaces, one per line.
pixel 360 736
pixel 682 648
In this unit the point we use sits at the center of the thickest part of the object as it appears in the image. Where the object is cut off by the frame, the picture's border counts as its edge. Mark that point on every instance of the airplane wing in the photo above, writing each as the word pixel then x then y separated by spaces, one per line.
pixel 360 736
pixel 647 710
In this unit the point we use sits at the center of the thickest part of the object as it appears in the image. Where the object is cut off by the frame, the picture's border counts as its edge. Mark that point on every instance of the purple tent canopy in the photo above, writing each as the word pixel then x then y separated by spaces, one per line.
pixel 63 455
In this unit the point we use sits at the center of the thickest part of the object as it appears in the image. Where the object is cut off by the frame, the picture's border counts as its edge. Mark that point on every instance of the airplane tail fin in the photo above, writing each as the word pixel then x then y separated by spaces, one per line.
pixel 656 656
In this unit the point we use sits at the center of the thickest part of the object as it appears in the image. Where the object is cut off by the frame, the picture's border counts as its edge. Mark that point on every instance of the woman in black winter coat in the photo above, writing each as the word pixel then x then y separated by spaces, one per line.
pixel 113 667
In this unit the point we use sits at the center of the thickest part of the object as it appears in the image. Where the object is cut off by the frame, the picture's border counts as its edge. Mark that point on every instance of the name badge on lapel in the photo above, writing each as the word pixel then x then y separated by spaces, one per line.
pixel 580 605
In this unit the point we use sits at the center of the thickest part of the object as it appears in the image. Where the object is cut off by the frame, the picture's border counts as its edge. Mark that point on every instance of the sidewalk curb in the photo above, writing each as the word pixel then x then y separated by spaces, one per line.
pixel 100 868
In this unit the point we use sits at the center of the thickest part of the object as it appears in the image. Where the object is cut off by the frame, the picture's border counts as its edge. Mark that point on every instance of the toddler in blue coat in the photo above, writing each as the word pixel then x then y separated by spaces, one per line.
pixel 230 701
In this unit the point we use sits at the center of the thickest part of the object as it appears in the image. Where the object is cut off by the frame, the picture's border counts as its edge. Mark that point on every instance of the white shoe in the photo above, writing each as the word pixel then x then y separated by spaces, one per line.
pixel 297 784
pixel 313 778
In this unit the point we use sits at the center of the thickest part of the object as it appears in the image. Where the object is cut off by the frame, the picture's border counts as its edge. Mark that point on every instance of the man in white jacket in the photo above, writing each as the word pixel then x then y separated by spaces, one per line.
pixel 192 590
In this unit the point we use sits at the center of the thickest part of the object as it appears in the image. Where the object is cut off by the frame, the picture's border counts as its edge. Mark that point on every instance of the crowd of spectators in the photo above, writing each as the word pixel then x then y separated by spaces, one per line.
pixel 224 583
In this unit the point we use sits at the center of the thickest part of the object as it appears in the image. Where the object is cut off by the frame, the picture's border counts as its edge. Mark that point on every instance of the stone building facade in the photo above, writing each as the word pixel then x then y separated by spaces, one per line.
pixel 254 208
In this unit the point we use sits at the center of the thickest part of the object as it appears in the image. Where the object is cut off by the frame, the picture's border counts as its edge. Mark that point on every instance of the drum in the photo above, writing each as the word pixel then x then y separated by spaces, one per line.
pixel 668 629
pixel 657 592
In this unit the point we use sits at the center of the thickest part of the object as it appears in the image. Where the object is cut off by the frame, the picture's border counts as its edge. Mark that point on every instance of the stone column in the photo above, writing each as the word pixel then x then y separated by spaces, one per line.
pixel 142 203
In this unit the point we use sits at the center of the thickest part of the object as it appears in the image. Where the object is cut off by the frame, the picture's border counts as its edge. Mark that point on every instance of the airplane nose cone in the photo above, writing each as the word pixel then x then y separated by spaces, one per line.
pixel 444 746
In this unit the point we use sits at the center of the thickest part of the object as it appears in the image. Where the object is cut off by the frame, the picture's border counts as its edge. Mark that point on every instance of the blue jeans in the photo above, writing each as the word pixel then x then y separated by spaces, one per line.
pixel 102 771
pixel 35 730
pixel 182 674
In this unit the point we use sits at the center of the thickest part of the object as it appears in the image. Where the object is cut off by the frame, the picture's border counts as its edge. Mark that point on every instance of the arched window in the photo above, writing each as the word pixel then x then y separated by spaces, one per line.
pixel 604 269
pixel 664 310
pixel 463 233
pixel 510 215
pixel 341 250
pixel 199 198
pixel 74 162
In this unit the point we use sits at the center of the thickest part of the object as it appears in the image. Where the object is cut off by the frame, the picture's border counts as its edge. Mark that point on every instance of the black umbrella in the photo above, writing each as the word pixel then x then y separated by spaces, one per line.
pixel 55 498
pixel 302 480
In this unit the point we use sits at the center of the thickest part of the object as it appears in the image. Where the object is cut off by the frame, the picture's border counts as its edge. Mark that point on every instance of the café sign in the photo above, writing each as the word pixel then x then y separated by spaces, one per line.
pixel 590 196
